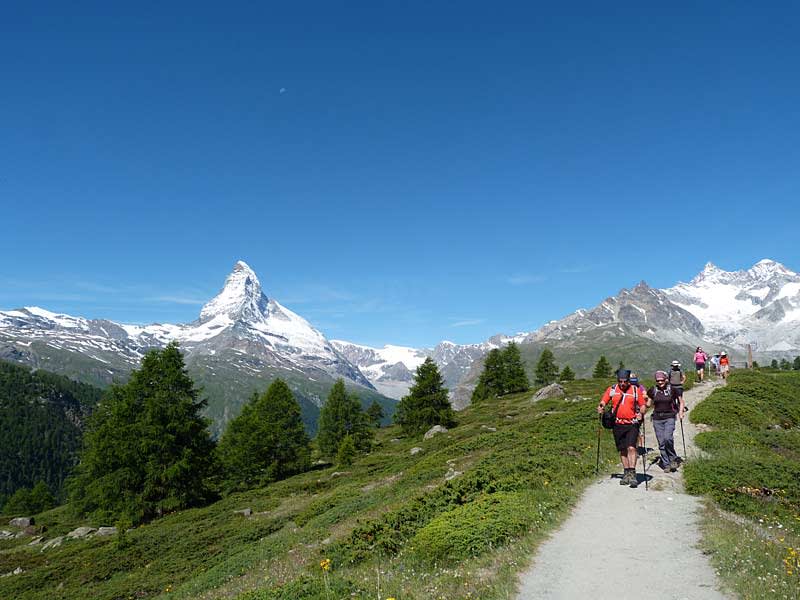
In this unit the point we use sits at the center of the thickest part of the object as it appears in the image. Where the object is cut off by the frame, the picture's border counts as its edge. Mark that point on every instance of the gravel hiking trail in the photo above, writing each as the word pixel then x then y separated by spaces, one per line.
pixel 620 542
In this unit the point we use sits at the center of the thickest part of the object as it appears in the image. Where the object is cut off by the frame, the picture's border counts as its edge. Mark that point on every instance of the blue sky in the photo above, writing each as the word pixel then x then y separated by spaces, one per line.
pixel 394 172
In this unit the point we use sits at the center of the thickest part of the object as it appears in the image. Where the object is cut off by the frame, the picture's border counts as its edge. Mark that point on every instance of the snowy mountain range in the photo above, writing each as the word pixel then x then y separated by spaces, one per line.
pixel 242 338
pixel 759 306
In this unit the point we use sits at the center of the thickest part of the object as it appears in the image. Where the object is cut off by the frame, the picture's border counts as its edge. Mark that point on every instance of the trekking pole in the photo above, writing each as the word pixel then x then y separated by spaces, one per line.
pixel 644 462
pixel 597 466
pixel 683 437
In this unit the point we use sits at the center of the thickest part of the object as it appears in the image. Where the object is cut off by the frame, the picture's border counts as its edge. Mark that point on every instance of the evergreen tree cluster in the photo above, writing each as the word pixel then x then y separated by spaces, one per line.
pixel 266 442
pixel 147 450
pixel 503 373
pixel 42 416
pixel 343 418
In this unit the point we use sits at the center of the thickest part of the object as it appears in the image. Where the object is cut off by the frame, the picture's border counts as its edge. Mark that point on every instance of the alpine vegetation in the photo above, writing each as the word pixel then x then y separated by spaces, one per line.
pixel 427 403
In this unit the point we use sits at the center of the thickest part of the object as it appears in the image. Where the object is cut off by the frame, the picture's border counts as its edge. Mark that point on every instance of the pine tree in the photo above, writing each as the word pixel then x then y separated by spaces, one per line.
pixel 785 365
pixel 427 402
pixel 567 374
pixel 340 416
pixel 147 451
pixel 490 384
pixel 755 365
pixel 514 377
pixel 266 442
pixel 346 452
pixel 546 368
pixel 796 363
pixel 774 363
pixel 602 370
pixel 375 413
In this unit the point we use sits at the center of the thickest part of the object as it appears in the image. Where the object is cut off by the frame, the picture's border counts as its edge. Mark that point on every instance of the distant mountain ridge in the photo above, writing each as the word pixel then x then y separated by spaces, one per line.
pixel 242 338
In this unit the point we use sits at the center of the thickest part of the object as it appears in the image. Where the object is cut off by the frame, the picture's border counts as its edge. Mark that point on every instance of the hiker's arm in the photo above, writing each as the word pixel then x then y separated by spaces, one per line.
pixel 682 407
pixel 603 401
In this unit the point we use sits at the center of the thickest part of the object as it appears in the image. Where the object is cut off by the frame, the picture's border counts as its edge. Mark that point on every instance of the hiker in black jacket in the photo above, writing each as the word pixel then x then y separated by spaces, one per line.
pixel 667 403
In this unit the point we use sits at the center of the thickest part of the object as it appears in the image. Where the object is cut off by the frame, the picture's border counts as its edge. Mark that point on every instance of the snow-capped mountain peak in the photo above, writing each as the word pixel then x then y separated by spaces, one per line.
pixel 241 297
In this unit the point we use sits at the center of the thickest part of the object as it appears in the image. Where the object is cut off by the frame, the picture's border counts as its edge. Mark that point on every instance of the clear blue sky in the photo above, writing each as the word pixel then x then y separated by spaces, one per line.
pixel 394 172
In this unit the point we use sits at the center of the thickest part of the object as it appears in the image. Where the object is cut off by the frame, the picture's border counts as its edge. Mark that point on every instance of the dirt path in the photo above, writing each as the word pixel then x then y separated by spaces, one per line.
pixel 623 543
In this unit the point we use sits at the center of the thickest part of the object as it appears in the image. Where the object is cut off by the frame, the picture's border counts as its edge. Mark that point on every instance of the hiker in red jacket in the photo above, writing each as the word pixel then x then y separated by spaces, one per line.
pixel 629 405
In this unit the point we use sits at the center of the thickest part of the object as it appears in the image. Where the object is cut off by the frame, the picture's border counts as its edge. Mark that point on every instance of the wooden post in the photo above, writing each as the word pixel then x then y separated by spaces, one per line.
pixel 749 356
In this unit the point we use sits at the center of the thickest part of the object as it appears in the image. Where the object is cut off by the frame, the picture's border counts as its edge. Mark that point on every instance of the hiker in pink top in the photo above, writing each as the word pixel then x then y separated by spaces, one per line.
pixel 700 359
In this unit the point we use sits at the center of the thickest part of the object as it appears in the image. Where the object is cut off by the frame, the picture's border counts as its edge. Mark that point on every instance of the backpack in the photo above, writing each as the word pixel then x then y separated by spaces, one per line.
pixel 677 375
pixel 609 417
pixel 667 390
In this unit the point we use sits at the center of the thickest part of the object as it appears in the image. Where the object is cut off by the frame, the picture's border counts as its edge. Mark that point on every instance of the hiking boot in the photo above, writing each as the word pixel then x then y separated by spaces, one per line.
pixel 634 482
pixel 673 466
pixel 626 478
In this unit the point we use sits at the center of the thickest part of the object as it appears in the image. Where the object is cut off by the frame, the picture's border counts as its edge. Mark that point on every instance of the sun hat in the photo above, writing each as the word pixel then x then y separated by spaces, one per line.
pixel 660 375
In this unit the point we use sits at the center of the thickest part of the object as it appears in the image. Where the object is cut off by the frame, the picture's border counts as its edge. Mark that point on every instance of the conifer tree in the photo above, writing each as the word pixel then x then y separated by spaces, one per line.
pixel 375 413
pixel 602 370
pixel 340 416
pixel 514 377
pixel 147 450
pixel 427 402
pixel 567 374
pixel 492 379
pixel 346 452
pixel 546 368
pixel 756 365
pixel 785 365
pixel 774 363
pixel 266 442
pixel 796 363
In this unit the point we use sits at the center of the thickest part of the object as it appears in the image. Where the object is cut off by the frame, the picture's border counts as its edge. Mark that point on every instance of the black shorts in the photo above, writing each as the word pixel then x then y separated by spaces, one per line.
pixel 626 435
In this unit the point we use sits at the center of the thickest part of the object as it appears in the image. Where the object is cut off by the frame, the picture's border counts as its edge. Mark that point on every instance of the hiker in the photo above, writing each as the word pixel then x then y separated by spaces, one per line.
pixel 715 364
pixel 724 365
pixel 629 406
pixel 700 359
pixel 676 376
pixel 667 403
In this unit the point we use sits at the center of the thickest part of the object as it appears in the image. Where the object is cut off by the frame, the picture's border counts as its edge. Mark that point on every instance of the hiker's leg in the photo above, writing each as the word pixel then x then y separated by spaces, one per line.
pixel 668 430
pixel 623 455
pixel 658 427
pixel 632 456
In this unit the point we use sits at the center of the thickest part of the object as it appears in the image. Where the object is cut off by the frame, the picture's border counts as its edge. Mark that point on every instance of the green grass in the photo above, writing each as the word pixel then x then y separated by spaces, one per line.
pixel 752 469
pixel 390 524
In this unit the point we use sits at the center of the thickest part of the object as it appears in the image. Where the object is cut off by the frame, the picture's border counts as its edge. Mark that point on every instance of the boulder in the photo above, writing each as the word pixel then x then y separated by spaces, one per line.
pixel 22 522
pixel 246 512
pixel 433 431
pixel 554 390
pixel 339 473
pixel 451 474
pixel 17 571
pixel 415 450
pixel 54 543
pixel 36 541
pixel 81 532
pixel 6 535
pixel 488 428
pixel 106 531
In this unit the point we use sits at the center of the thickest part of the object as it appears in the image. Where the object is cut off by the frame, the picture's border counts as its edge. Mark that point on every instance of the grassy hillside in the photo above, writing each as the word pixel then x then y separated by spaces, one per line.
pixel 439 523
pixel 752 474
